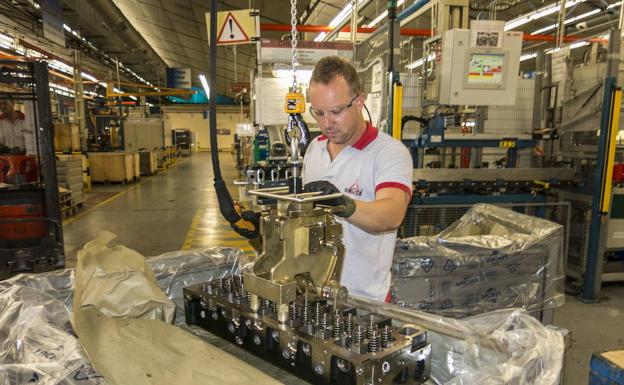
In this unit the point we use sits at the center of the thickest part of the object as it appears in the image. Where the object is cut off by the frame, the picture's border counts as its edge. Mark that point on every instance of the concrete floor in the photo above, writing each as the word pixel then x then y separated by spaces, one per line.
pixel 177 210
pixel 171 210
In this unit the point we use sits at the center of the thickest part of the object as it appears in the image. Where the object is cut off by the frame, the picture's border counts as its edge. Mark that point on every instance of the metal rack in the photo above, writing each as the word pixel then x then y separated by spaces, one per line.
pixel 28 83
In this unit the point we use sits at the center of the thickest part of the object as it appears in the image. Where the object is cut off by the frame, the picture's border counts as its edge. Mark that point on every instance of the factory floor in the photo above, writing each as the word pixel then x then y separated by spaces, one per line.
pixel 177 209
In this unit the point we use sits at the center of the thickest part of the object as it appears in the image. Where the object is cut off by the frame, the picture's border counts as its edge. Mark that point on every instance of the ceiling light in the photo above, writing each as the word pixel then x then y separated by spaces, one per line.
pixel 320 36
pixel 419 62
pixel 381 16
pixel 339 18
pixel 528 56
pixel 204 83
pixel 538 14
pixel 88 77
pixel 568 21
pixel 303 74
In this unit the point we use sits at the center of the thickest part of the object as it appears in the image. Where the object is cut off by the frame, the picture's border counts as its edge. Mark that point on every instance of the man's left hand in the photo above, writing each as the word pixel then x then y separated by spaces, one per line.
pixel 326 188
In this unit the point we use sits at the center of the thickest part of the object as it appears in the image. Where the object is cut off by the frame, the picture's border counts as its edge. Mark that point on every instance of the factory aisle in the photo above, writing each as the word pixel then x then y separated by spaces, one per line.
pixel 169 211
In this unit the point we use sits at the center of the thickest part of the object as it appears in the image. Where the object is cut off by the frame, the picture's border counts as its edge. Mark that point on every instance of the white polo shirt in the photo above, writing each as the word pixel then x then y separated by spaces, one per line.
pixel 374 162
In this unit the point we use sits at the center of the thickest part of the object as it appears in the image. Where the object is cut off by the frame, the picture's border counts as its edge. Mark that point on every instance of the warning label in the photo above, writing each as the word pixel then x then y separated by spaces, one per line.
pixel 231 32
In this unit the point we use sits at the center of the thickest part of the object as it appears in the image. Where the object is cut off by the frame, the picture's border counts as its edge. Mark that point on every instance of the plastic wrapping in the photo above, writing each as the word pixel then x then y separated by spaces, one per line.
pixel 498 348
pixel 489 259
pixel 37 342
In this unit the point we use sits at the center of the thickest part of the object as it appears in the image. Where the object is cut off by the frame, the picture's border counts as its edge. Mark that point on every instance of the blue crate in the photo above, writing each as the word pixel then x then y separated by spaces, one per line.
pixel 605 372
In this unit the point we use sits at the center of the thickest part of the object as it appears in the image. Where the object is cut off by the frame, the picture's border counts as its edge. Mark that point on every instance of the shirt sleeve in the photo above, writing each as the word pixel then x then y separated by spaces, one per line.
pixel 394 168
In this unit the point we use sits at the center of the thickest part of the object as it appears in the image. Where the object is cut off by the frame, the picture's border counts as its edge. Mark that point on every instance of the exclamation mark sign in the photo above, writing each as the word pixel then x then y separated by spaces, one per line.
pixel 231 28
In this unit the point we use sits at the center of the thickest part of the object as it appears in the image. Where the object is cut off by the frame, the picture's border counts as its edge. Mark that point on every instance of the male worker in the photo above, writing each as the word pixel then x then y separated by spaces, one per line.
pixel 11 128
pixel 372 170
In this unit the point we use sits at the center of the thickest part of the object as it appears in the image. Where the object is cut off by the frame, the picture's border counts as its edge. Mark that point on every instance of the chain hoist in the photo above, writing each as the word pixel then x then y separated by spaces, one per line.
pixel 297 133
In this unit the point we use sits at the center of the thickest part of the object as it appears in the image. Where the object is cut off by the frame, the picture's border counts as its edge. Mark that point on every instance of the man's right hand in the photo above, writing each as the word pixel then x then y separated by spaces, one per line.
pixel 249 224
pixel 326 188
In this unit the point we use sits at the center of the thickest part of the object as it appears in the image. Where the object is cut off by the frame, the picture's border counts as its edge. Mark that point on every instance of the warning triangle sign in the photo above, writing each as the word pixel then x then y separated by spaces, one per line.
pixel 231 32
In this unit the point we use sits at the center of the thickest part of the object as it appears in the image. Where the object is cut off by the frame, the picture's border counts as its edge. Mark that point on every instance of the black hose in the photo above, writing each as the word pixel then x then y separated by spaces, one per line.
pixel 226 204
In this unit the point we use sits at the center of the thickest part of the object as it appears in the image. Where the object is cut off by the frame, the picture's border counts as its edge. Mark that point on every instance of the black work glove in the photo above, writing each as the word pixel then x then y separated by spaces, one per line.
pixel 250 230
pixel 326 188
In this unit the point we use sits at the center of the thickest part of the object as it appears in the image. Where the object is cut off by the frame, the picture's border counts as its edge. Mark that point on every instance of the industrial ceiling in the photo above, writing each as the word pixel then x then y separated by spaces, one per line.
pixel 147 36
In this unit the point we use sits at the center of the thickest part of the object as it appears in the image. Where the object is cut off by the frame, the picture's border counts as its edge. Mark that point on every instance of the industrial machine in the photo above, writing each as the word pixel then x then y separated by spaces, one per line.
pixel 31 236
pixel 289 306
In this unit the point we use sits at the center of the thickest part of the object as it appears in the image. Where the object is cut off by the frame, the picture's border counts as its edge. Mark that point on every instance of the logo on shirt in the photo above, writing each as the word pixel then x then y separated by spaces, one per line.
pixel 354 189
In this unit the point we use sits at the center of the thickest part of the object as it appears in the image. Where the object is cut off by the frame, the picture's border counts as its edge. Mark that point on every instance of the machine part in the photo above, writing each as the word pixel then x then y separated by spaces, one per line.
pixel 338 327
pixel 314 254
pixel 319 354
pixel 386 337
pixel 300 263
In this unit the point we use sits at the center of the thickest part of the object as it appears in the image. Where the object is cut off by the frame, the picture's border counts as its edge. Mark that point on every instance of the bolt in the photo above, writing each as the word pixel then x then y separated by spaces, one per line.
pixel 257 340
pixel 215 315
pixel 318 368
pixel 202 314
pixel 232 328
pixel 239 341
pixel 385 367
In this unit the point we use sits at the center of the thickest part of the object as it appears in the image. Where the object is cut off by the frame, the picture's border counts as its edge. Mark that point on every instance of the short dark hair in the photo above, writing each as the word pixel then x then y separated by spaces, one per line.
pixel 326 70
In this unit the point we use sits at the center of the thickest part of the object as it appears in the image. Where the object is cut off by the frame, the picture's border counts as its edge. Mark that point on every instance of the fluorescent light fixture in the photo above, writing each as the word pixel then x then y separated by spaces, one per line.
pixel 320 36
pixel 339 18
pixel 415 64
pixel 303 74
pixel 381 16
pixel 117 90
pixel 568 21
pixel 579 44
pixel 132 97
pixel 575 18
pixel 67 28
pixel 419 62
pixel 88 77
pixel 204 82
pixel 538 14
pixel 528 56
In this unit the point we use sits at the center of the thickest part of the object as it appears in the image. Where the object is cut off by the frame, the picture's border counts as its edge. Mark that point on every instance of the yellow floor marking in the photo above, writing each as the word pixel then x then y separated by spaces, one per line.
pixel 190 234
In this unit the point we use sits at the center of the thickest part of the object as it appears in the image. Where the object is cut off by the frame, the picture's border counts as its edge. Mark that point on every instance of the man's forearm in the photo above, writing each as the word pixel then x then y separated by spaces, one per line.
pixel 378 216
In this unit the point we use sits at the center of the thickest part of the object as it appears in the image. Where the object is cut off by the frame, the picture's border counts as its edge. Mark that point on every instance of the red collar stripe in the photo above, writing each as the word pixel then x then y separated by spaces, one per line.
pixel 367 137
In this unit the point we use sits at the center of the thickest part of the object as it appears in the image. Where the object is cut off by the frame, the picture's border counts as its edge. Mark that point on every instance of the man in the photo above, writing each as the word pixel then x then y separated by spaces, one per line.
pixel 372 170
pixel 11 128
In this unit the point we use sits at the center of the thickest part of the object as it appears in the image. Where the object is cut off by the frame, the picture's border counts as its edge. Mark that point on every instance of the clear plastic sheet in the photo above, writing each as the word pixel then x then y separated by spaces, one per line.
pixel 504 347
pixel 37 342
pixel 491 258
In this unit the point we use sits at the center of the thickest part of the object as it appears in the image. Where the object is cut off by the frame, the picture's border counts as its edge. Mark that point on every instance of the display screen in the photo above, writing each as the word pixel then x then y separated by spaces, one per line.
pixel 485 68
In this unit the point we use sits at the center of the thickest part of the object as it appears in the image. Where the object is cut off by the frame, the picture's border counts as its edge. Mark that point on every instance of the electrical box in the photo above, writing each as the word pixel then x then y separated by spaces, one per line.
pixel 479 73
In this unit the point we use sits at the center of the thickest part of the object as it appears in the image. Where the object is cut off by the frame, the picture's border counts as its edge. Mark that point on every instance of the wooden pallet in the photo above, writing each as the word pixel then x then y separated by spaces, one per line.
pixel 69 211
